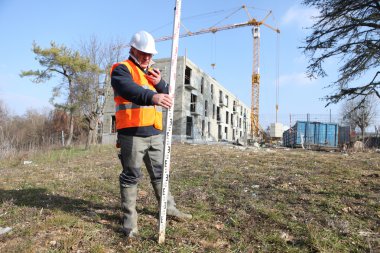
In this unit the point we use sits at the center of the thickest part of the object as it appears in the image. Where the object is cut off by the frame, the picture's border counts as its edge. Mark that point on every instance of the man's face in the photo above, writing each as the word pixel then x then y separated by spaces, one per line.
pixel 143 58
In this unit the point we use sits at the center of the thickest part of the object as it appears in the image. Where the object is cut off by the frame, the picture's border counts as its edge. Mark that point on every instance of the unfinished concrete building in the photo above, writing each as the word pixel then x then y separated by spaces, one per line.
pixel 204 110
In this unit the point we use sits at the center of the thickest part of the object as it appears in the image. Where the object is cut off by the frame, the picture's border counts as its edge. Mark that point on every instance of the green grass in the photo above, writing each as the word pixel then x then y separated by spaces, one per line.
pixel 67 200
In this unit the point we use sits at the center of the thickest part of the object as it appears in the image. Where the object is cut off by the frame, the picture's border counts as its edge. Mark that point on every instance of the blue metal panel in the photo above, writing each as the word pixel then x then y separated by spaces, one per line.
pixel 321 134
pixel 311 133
pixel 304 132
pixel 285 138
pixel 332 135
pixel 300 128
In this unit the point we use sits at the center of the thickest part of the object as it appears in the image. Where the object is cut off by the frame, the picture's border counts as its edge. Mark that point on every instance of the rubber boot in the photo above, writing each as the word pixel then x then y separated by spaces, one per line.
pixel 128 205
pixel 171 206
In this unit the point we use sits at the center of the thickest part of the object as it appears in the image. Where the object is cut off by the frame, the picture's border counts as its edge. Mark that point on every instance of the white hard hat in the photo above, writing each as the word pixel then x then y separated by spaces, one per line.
pixel 143 41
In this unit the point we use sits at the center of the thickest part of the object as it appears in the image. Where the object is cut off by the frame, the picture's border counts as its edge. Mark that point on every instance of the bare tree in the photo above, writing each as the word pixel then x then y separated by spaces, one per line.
pixel 95 88
pixel 4 120
pixel 34 130
pixel 359 114
pixel 92 88
pixel 349 30
pixel 4 113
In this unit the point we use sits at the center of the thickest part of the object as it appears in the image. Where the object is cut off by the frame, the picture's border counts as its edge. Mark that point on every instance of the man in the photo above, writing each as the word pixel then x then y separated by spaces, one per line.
pixel 140 94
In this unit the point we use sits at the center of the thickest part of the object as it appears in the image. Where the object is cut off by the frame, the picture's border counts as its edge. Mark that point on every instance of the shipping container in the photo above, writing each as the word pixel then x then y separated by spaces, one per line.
pixel 305 133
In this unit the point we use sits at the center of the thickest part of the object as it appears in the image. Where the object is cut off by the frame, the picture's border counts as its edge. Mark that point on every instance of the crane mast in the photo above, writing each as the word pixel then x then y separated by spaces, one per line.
pixel 255 99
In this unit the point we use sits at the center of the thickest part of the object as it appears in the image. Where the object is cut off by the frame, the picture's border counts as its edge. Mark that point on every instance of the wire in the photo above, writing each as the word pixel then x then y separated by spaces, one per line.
pixel 207 14
pixel 213 53
pixel 277 72
pixel 259 9
pixel 227 17
pixel 204 14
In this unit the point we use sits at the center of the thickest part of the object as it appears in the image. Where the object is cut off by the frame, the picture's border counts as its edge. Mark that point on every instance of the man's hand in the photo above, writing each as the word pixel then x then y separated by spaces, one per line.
pixel 163 100
pixel 154 75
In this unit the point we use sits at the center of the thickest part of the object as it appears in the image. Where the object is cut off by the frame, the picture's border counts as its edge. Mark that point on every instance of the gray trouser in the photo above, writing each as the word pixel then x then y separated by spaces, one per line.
pixel 136 150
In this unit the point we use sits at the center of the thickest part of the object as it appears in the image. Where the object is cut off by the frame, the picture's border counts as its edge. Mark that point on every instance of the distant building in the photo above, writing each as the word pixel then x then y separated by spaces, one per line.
pixel 204 110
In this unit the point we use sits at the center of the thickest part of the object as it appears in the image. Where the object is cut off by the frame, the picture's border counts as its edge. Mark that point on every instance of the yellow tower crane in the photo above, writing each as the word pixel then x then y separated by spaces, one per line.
pixel 255 105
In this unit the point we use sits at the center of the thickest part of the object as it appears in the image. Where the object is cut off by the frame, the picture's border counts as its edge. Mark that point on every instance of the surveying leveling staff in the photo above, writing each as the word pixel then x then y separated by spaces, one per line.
pixel 140 94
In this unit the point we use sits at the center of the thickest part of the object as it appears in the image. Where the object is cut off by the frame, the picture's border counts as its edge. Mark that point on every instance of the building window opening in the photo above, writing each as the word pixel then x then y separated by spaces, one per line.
pixel 206 108
pixel 193 103
pixel 202 84
pixel 189 127
pixel 187 75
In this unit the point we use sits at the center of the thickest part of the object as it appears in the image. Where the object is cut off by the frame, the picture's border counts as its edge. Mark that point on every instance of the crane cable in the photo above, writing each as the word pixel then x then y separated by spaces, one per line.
pixel 277 82
pixel 213 42
pixel 213 53
pixel 227 17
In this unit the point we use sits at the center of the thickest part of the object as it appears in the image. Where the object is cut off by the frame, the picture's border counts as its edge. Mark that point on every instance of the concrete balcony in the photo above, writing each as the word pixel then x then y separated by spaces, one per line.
pixel 222 101
pixel 195 109
pixel 191 85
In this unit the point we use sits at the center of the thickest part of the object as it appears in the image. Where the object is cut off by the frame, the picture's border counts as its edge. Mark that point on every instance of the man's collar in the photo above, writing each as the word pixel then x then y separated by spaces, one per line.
pixel 135 61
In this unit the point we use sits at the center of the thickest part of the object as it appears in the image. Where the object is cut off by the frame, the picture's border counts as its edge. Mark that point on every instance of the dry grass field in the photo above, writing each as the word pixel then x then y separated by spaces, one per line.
pixel 242 200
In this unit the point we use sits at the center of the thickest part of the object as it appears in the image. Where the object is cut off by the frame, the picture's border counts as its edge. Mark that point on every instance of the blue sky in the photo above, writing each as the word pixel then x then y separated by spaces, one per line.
pixel 68 22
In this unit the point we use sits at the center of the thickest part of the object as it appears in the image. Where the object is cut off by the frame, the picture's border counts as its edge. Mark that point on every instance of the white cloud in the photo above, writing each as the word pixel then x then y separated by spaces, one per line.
pixel 296 79
pixel 300 16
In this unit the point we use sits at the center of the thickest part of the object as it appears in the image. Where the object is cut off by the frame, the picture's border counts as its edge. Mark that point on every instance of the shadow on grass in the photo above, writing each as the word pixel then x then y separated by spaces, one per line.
pixel 42 198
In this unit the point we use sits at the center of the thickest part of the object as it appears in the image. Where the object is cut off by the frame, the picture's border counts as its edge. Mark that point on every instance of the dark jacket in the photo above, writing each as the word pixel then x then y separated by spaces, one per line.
pixel 123 84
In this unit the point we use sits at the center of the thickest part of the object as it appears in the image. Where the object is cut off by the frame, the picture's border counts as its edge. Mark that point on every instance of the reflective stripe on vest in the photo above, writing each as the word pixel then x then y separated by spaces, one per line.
pixel 134 106
pixel 129 114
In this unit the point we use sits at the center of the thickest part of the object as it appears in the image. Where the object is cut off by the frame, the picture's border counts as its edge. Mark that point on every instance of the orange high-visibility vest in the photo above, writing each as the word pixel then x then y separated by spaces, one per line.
pixel 129 114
